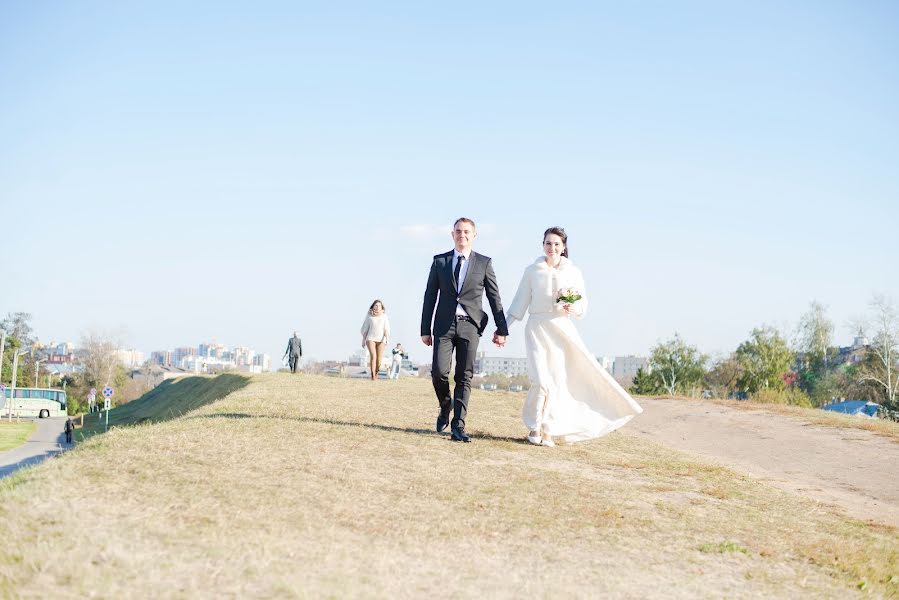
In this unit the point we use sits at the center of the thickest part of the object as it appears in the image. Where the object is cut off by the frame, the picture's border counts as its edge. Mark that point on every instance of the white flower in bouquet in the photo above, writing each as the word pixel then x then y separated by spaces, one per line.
pixel 568 296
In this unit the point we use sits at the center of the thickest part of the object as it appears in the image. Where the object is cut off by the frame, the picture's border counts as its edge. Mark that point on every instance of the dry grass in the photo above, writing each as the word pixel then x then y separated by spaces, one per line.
pixel 299 486
pixel 816 416
pixel 14 434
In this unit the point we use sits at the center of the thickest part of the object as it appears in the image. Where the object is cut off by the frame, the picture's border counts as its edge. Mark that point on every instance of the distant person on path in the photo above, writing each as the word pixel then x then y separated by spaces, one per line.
pixel 571 396
pixel 70 430
pixel 397 361
pixel 456 286
pixel 294 351
pixel 375 333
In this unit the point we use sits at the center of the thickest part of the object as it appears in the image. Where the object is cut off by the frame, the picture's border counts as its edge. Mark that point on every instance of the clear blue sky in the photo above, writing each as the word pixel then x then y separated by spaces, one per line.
pixel 237 171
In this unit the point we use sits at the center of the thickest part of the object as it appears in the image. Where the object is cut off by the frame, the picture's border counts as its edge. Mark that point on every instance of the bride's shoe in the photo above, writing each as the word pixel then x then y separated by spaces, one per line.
pixel 534 438
pixel 548 441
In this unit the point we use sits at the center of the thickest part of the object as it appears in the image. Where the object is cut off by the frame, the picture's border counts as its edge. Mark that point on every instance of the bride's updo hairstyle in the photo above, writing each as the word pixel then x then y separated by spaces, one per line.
pixel 561 233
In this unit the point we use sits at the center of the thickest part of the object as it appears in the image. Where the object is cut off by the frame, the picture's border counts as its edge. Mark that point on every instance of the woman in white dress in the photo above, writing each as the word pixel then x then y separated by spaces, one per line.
pixel 375 333
pixel 571 396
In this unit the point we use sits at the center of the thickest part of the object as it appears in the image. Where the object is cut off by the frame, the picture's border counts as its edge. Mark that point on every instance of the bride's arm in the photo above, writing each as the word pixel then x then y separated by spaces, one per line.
pixel 522 300
pixel 579 308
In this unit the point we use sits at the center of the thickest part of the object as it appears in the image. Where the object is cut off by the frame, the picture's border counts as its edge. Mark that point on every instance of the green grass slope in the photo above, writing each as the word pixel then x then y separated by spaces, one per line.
pixel 170 399
pixel 310 487
pixel 14 434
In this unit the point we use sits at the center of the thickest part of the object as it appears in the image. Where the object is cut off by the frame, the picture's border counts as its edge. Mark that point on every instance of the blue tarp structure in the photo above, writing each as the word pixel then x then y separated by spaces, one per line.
pixel 854 407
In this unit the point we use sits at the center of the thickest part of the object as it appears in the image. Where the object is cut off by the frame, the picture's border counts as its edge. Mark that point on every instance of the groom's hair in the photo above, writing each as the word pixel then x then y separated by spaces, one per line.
pixel 464 220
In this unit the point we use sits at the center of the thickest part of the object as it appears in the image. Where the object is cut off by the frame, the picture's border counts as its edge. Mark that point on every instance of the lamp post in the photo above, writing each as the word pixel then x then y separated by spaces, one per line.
pixel 2 346
pixel 37 366
pixel 15 368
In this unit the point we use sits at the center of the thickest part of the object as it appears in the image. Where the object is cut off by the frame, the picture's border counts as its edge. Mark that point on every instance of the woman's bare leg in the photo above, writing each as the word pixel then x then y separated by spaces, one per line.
pixel 372 358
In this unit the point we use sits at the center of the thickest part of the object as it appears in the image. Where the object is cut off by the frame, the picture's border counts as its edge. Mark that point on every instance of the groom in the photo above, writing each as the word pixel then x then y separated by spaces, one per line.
pixel 459 278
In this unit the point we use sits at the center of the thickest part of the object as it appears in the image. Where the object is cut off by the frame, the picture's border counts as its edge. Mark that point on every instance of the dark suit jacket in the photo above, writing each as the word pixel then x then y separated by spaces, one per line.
pixel 479 279
pixel 294 347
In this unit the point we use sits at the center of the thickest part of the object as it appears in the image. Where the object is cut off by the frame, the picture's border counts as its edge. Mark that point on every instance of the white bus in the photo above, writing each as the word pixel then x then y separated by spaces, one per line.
pixel 34 402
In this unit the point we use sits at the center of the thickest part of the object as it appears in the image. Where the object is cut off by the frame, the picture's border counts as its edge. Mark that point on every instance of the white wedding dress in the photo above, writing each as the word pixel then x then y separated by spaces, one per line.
pixel 572 397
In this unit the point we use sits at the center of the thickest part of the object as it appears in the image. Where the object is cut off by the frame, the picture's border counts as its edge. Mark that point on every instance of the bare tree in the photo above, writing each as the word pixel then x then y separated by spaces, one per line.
pixel 18 325
pixel 101 358
pixel 815 333
pixel 884 348
pixel 723 376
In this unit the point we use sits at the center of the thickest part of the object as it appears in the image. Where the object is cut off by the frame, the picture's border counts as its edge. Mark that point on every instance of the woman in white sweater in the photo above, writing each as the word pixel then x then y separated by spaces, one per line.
pixel 375 333
pixel 571 396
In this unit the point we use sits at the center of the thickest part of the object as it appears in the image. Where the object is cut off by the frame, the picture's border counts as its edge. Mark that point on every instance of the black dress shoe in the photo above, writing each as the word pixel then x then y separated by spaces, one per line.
pixel 459 435
pixel 442 422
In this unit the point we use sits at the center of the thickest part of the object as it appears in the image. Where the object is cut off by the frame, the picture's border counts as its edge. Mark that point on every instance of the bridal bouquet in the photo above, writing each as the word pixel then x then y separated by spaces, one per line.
pixel 568 296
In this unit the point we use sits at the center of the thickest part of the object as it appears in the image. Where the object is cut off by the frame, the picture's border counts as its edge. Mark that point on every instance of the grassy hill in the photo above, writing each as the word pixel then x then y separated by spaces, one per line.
pixel 170 399
pixel 298 486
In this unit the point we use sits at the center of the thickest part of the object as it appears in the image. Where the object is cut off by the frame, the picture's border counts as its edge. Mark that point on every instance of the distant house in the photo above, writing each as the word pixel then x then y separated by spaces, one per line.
pixel 858 408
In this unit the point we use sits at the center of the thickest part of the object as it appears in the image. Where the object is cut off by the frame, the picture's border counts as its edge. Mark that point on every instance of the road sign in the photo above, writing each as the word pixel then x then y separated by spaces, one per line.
pixel 93 391
pixel 2 387
pixel 107 391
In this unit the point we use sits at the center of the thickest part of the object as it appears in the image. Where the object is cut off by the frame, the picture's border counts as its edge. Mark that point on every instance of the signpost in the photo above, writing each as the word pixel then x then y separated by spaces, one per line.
pixel 5 401
pixel 107 393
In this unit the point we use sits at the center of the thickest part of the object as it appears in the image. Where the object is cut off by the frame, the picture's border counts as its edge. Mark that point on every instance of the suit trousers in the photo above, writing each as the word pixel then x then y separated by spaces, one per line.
pixel 462 338
pixel 294 359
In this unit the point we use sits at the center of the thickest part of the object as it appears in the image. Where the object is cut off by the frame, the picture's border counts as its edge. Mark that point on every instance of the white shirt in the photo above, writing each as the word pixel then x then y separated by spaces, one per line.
pixel 462 273
pixel 376 328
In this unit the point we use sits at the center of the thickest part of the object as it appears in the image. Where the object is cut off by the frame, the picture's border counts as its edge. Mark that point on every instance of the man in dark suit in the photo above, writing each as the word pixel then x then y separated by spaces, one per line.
pixel 456 285
pixel 294 351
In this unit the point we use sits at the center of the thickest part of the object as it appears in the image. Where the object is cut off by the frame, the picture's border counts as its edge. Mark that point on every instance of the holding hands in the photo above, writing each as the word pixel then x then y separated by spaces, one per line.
pixel 499 340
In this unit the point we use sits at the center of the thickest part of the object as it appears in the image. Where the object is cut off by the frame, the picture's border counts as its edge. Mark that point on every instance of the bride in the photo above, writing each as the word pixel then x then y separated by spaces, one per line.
pixel 571 396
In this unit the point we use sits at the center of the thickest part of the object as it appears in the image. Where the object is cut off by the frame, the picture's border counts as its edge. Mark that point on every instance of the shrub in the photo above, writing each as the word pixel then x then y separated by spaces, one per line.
pixel 794 397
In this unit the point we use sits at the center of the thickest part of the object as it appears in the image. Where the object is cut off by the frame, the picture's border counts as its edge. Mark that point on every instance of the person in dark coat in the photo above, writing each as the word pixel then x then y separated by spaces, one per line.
pixel 70 430
pixel 294 351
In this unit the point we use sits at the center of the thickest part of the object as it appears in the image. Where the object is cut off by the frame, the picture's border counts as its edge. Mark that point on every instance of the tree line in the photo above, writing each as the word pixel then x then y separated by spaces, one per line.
pixel 97 354
pixel 808 370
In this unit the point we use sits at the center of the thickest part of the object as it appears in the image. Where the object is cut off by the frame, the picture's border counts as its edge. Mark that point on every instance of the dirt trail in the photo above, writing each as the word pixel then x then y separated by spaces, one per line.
pixel 854 469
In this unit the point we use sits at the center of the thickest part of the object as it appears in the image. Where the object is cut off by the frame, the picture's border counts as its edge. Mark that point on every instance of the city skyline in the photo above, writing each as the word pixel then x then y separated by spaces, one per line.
pixel 191 358
pixel 272 169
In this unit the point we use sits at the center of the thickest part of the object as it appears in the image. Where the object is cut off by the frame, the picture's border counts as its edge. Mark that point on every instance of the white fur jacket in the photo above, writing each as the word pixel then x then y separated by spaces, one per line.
pixel 540 287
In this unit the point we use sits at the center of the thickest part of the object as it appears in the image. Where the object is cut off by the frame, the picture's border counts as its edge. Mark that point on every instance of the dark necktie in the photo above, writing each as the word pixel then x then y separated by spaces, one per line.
pixel 458 271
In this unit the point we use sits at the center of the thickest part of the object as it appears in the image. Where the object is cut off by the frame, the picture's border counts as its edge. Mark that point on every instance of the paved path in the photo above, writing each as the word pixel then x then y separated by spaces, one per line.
pixel 43 443
pixel 852 468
